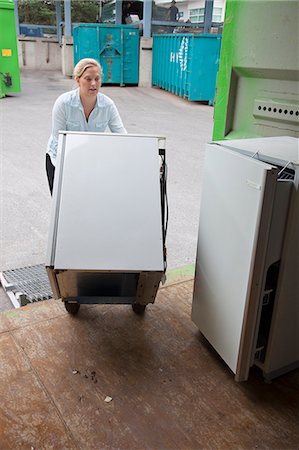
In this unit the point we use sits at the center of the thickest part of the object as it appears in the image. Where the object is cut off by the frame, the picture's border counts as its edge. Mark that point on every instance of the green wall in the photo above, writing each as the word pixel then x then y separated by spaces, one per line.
pixel 257 82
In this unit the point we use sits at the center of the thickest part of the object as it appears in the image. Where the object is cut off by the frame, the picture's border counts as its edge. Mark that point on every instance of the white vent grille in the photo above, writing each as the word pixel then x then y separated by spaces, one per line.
pixel 269 109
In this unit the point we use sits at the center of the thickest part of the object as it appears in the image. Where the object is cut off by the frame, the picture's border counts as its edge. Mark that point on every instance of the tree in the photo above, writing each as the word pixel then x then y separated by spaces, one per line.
pixel 43 12
pixel 85 11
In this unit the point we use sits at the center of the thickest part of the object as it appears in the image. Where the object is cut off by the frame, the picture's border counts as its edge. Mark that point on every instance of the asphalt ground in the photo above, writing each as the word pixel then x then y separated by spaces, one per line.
pixel 25 125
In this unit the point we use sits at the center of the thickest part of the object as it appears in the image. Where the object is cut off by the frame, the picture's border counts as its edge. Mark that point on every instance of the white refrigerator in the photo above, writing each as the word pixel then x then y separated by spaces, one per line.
pixel 108 226
pixel 246 292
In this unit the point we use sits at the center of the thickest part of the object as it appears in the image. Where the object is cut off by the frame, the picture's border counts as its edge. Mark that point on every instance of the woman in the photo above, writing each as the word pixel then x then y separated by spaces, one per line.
pixel 83 109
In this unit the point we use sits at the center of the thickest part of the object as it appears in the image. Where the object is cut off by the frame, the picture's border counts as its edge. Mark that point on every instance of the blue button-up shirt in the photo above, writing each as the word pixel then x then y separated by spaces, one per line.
pixel 68 114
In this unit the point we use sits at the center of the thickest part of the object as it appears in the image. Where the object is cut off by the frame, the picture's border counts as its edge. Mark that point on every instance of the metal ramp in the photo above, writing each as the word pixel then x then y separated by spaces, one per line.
pixel 26 285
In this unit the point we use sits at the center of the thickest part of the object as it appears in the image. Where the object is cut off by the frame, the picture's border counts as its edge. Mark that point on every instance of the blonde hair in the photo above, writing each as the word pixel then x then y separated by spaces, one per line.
pixel 84 64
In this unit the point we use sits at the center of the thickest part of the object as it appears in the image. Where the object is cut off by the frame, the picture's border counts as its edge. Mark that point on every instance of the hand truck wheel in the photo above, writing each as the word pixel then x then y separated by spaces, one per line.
pixel 138 308
pixel 72 307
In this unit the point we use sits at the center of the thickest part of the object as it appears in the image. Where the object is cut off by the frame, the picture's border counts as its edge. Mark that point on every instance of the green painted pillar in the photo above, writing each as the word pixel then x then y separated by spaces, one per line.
pixel 9 63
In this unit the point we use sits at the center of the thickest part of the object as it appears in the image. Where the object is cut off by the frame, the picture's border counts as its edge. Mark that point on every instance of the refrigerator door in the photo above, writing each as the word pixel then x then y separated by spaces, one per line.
pixel 235 216
pixel 107 204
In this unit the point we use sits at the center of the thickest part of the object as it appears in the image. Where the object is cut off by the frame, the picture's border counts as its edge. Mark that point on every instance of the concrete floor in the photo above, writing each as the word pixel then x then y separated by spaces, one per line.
pixel 168 388
pixel 25 127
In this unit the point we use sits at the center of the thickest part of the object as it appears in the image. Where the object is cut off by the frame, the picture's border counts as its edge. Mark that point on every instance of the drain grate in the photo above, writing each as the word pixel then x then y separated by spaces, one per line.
pixel 26 285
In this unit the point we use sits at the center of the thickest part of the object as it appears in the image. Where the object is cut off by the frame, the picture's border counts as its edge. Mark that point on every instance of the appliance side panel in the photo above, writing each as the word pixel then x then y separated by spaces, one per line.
pixel 257 281
pixel 271 263
pixel 54 217
pixel 232 198
pixel 283 347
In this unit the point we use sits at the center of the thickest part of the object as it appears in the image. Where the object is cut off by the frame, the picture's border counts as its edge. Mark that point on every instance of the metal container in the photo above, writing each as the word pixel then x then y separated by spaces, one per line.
pixel 9 63
pixel 116 47
pixel 187 65
pixel 258 78
pixel 31 30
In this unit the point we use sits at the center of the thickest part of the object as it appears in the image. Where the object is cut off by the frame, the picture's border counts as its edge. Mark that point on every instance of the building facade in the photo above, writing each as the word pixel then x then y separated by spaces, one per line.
pixel 193 10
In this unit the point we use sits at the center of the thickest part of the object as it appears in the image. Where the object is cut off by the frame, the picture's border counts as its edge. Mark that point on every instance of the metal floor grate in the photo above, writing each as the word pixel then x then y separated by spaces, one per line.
pixel 26 285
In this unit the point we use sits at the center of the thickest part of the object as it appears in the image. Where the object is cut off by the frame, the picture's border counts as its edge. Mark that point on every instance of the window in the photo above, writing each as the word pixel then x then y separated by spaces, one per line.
pixel 181 14
pixel 217 13
pixel 196 15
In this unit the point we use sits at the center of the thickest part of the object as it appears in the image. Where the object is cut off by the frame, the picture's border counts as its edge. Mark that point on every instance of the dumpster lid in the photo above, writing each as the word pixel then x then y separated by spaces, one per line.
pixel 7 4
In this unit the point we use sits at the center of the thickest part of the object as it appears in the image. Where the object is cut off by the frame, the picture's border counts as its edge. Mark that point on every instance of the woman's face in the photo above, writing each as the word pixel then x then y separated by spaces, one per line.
pixel 89 82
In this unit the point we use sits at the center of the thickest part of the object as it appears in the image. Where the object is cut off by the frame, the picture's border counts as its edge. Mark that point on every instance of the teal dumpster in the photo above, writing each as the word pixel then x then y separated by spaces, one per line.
pixel 187 64
pixel 116 47
pixel 9 63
